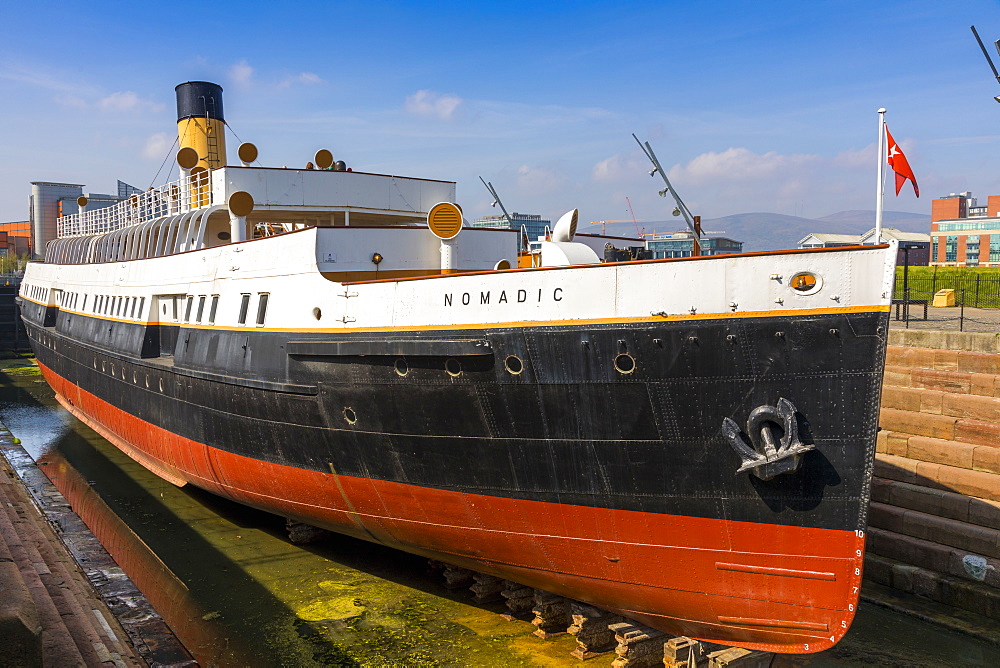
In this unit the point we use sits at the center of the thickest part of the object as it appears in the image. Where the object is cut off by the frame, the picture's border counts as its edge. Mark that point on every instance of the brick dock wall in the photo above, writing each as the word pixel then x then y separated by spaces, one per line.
pixel 934 524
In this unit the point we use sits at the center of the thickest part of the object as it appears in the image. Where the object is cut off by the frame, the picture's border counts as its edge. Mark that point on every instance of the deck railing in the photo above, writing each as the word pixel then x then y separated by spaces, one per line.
pixel 185 194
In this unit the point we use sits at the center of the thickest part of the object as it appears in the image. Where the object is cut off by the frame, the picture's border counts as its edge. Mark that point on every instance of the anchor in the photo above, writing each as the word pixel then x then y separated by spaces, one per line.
pixel 769 457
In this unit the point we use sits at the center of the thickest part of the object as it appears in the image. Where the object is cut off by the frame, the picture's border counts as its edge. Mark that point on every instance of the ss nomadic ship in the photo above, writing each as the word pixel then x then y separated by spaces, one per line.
pixel 688 442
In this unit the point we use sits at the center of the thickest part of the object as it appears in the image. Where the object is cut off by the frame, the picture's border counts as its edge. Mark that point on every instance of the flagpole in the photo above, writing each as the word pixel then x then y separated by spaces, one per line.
pixel 880 191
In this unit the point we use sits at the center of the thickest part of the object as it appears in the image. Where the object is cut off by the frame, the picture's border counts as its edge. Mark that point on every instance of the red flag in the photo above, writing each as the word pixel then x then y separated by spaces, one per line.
pixel 899 165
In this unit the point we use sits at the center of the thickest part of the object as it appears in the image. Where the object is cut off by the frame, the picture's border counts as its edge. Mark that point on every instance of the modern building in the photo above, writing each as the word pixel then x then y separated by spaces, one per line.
pixel 534 225
pixel 681 244
pixel 823 240
pixel 16 238
pixel 963 233
pixel 50 201
pixel 914 244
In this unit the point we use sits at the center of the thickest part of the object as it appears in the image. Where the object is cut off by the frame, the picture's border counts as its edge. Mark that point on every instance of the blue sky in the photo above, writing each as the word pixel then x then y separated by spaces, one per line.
pixel 767 106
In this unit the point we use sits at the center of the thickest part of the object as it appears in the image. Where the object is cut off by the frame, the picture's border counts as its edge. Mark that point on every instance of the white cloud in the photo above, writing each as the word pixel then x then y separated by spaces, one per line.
pixel 539 181
pixel 617 169
pixel 741 164
pixel 429 103
pixel 241 73
pixel 124 101
pixel 304 78
pixel 119 101
pixel 157 146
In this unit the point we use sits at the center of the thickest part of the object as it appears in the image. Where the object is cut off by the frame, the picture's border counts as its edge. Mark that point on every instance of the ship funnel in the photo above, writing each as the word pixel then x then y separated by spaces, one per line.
pixel 200 122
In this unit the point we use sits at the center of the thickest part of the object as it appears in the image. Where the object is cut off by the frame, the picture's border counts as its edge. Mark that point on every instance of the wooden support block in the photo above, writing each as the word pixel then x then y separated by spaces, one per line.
pixel 590 628
pixel 456 577
pixel 638 646
pixel 486 588
pixel 681 652
pixel 737 657
pixel 519 601
pixel 552 616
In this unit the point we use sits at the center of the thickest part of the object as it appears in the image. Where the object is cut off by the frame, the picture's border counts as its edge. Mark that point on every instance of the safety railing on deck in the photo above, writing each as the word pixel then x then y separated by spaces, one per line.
pixel 186 194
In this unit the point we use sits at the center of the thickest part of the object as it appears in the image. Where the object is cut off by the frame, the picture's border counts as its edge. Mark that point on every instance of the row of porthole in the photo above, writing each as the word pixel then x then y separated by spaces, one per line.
pixel 623 362
pixel 135 374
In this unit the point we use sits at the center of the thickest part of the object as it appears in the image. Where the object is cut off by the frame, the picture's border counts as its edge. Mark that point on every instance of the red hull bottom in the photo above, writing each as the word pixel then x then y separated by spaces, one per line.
pixel 762 586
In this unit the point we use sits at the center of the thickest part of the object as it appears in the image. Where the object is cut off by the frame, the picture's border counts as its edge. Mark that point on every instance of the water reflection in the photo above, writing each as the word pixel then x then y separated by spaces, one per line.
pixel 237 593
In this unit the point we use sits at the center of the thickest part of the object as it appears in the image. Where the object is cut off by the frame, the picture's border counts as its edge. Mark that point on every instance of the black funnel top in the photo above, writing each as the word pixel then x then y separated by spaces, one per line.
pixel 199 99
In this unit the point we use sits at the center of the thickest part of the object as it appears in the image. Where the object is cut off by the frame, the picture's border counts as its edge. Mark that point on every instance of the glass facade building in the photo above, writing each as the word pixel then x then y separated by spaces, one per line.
pixel 533 224
pixel 681 244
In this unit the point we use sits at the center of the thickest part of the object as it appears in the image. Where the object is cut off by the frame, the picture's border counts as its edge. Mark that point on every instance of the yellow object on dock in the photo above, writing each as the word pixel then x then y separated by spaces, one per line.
pixel 944 297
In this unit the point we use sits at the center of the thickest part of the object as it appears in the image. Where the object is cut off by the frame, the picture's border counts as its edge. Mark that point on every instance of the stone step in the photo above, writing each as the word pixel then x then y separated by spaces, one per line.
pixel 938 502
pixel 938 476
pixel 932 556
pixel 101 630
pixel 58 585
pixel 58 646
pixel 944 427
pixel 939 587
pixel 959 361
pixel 985 458
pixel 939 402
pixel 946 531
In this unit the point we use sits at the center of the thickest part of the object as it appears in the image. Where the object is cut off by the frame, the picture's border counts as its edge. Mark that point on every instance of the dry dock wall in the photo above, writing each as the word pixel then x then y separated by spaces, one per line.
pixel 934 524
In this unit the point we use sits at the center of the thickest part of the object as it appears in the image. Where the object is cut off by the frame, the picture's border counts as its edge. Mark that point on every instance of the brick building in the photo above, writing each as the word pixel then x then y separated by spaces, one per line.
pixel 963 233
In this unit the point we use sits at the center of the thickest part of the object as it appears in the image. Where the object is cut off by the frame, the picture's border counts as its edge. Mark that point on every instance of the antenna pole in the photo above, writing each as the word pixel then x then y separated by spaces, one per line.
pixel 688 218
pixel 880 190
pixel 986 53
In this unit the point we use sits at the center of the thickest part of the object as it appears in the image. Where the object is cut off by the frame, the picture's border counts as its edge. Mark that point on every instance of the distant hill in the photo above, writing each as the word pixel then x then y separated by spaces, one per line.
pixel 774 231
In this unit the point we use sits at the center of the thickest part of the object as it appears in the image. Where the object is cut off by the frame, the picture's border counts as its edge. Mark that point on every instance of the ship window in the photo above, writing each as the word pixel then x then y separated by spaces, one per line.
pixel 173 301
pixel 135 302
pixel 97 306
pixel 244 307
pixel 187 309
pixel 84 307
pixel 122 301
pixel 213 309
pixel 142 305
pixel 262 308
pixel 201 308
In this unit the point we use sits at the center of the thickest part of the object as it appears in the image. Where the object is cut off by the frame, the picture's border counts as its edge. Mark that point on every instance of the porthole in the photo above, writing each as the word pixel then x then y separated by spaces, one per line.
pixel 805 283
pixel 624 363
pixel 104 367
pixel 161 384
pixel 453 367
pixel 317 313
pixel 401 367
pixel 513 365
pixel 350 415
